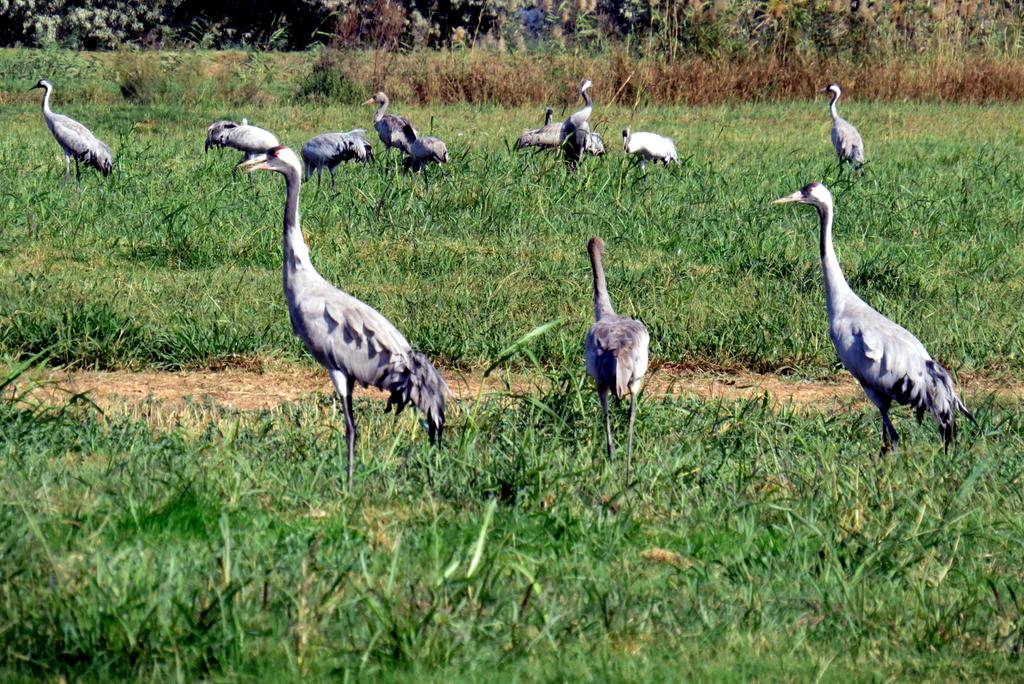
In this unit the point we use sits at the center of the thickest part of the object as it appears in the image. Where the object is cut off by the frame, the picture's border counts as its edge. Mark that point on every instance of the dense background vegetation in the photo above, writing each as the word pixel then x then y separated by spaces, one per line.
pixel 864 29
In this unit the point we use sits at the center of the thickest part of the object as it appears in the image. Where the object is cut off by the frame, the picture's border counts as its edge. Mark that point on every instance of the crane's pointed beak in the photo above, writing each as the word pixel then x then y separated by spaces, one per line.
pixel 370 101
pixel 255 164
pixel 795 197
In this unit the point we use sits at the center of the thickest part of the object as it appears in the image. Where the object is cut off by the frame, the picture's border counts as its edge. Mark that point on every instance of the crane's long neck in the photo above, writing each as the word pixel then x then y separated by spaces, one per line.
pixel 380 111
pixel 602 304
pixel 296 253
pixel 832 105
pixel 46 100
pixel 586 97
pixel 547 117
pixel 836 287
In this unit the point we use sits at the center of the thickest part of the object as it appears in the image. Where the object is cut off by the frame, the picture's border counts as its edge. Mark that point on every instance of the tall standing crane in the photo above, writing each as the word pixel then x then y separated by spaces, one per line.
pixel 77 141
pixel 889 363
pixel 351 339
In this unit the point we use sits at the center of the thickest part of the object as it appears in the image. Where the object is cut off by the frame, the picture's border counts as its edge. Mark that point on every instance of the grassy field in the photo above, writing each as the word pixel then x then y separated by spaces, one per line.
pixel 756 542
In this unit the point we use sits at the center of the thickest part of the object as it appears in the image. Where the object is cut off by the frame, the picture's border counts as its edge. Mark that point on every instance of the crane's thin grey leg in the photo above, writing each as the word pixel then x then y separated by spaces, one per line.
pixel 67 168
pixel 350 438
pixel 344 387
pixel 603 394
pixel 334 186
pixel 889 436
pixel 78 173
pixel 629 443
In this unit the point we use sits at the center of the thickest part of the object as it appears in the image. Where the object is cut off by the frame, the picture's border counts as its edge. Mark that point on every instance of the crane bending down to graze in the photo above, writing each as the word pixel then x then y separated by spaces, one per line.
pixel 594 144
pixel 394 131
pixel 649 147
pixel 76 140
pixel 328 150
pixel 425 150
pixel 845 138
pixel 352 340
pixel 547 136
pixel 889 363
pixel 615 351
pixel 248 139
pixel 575 132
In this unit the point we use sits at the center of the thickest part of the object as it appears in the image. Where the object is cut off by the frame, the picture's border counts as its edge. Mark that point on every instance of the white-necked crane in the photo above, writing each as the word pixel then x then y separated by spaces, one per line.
pixel 351 339
pixel 889 363
pixel 575 132
pixel 649 147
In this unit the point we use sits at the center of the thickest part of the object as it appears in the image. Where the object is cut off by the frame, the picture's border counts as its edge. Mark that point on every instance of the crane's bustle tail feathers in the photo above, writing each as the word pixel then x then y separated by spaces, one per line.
pixel 422 385
pixel 938 397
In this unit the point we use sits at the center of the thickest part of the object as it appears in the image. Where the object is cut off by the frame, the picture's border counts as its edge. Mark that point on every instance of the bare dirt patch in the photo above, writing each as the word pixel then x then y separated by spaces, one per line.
pixel 264 386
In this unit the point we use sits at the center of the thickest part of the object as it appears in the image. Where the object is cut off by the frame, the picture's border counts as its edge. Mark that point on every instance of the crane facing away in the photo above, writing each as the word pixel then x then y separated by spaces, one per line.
pixel 352 340
pixel 615 351
pixel 845 138
pixel 328 150
pixel 395 131
pixel 76 140
pixel 889 363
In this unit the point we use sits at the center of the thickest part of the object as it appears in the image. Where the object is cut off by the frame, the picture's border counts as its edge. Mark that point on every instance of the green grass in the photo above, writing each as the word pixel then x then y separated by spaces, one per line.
pixel 155 544
pixel 222 547
pixel 172 263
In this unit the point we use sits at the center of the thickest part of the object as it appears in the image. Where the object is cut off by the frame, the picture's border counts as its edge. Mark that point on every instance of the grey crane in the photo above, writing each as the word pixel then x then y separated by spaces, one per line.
pixel 575 132
pixel 615 351
pixel 328 150
pixel 889 363
pixel 545 137
pixel 352 340
pixel 248 139
pixel 594 145
pixel 76 140
pixel 394 131
pixel 845 138
pixel 426 150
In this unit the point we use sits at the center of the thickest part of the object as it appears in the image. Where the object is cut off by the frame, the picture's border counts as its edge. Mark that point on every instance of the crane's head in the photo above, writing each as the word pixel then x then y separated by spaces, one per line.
pixel 832 89
pixel 42 83
pixel 379 98
pixel 813 193
pixel 585 85
pixel 280 159
pixel 625 133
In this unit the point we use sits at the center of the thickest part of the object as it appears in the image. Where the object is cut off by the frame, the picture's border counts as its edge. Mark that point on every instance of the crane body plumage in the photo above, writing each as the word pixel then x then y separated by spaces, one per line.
pixel 615 351
pixel 547 136
pixel 426 150
pixel 77 141
pixel 575 135
pixel 250 140
pixel 328 150
pixel 845 139
pixel 891 365
pixel 354 342
pixel 394 131
pixel 649 147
